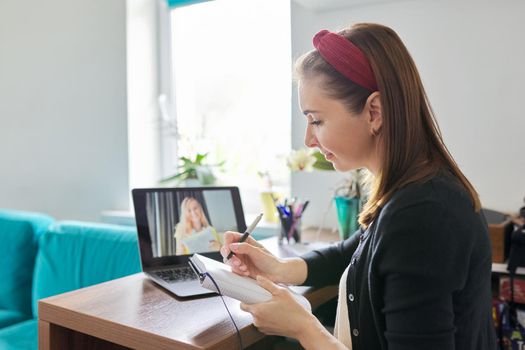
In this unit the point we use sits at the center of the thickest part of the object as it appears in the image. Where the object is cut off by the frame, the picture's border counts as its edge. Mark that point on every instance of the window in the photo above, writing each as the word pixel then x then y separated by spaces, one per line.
pixel 231 69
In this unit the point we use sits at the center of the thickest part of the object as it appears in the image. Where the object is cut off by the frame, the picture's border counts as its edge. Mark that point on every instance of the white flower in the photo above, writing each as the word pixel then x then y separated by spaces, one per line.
pixel 301 160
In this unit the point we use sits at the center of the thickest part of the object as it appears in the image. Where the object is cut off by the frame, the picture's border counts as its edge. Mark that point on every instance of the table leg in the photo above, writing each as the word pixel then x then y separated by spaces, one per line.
pixel 54 337
pixel 51 336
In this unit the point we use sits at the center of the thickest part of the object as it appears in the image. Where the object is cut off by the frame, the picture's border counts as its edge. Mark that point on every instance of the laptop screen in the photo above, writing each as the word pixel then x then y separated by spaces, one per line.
pixel 174 223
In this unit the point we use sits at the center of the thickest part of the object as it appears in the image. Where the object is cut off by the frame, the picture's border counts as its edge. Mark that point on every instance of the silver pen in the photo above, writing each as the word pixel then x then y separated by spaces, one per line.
pixel 247 233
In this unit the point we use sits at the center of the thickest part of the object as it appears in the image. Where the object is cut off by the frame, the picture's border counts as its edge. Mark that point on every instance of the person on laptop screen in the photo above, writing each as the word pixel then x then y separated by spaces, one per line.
pixel 193 233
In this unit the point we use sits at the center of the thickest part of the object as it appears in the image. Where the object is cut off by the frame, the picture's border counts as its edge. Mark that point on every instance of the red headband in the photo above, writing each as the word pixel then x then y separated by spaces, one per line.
pixel 346 58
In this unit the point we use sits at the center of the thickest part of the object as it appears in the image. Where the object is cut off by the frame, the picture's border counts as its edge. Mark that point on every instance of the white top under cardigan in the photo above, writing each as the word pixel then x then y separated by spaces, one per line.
pixel 342 324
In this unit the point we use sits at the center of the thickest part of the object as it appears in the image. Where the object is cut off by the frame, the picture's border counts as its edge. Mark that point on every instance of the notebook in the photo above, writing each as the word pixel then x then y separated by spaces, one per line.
pixel 242 288
pixel 199 242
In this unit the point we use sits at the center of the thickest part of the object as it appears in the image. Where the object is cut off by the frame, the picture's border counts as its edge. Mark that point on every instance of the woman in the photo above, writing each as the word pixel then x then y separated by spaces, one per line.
pixel 417 274
pixel 193 228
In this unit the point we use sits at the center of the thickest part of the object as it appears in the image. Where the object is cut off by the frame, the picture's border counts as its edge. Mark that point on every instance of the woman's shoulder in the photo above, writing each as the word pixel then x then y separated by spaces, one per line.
pixel 440 201
pixel 441 190
pixel 439 215
pixel 440 208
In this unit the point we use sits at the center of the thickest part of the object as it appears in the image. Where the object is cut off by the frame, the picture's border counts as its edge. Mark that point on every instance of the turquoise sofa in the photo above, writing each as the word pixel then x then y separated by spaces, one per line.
pixel 40 257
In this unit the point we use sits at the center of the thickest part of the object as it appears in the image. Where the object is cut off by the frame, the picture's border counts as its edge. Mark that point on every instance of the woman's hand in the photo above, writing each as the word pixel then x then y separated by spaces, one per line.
pixel 251 258
pixel 283 315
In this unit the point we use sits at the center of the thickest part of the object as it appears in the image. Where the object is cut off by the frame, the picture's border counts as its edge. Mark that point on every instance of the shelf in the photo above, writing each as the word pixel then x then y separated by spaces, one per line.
pixel 502 268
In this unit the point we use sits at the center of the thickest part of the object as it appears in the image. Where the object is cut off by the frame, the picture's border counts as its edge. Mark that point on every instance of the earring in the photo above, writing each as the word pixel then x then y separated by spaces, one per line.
pixel 374 132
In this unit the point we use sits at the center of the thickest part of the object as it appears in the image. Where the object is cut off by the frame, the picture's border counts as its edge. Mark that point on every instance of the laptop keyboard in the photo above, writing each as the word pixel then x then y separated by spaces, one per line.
pixel 177 274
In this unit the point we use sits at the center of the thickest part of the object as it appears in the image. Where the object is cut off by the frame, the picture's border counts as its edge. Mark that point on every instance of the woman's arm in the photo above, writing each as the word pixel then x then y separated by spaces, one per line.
pixel 318 268
pixel 315 336
pixel 293 271
pixel 325 266
pixel 283 315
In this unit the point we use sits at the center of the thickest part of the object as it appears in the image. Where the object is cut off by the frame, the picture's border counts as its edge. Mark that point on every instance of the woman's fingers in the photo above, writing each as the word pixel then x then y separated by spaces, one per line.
pixel 244 248
pixel 237 248
pixel 232 237
pixel 249 258
pixel 229 238
pixel 268 285
pixel 237 265
pixel 246 307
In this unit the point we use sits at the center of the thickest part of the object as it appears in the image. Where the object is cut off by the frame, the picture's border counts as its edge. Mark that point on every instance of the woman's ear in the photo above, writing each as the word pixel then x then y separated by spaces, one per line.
pixel 375 115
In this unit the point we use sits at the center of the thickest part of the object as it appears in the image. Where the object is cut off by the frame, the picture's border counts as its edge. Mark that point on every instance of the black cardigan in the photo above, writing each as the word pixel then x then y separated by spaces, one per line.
pixel 419 276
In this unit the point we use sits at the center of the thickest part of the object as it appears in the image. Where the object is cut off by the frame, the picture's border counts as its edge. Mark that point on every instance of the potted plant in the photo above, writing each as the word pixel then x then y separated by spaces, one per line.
pixel 349 195
pixel 193 172
pixel 349 199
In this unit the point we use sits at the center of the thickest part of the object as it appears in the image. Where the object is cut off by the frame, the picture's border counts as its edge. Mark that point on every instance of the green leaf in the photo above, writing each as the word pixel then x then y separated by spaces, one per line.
pixel 321 163
pixel 174 177
pixel 200 157
pixel 188 167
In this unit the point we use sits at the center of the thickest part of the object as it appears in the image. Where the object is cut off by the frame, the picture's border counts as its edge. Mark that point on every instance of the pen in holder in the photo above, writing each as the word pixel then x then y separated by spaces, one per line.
pixel 290 214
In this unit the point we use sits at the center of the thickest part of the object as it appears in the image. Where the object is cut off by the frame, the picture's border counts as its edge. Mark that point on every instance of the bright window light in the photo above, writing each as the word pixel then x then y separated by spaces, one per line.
pixel 232 83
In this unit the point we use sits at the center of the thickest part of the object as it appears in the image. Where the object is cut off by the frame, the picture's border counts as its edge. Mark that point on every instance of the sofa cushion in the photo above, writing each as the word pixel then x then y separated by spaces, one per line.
pixel 21 336
pixel 74 255
pixel 19 233
pixel 9 317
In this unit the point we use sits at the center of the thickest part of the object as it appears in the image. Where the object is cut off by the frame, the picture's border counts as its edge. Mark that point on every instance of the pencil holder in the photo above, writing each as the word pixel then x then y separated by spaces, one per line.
pixel 290 230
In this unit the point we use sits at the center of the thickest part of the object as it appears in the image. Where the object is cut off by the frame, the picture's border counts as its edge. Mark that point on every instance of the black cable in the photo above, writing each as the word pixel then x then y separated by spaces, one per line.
pixel 226 306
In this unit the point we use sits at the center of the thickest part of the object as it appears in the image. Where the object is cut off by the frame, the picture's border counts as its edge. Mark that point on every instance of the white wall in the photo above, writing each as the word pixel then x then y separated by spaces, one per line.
pixel 63 129
pixel 144 123
pixel 470 55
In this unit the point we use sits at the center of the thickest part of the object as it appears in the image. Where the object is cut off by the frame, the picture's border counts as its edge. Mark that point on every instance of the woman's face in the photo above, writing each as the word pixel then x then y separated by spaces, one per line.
pixel 344 138
pixel 194 213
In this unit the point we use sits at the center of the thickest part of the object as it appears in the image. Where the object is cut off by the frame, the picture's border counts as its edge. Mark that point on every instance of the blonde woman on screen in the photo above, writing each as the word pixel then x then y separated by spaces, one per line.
pixel 193 222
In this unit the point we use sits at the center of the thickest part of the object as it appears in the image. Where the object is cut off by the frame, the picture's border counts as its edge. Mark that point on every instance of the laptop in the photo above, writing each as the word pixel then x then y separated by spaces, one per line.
pixel 175 223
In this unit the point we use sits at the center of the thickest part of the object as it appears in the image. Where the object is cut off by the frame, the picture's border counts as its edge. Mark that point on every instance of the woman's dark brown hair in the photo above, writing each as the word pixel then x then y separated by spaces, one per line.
pixel 411 143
